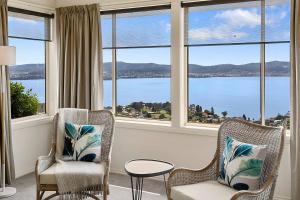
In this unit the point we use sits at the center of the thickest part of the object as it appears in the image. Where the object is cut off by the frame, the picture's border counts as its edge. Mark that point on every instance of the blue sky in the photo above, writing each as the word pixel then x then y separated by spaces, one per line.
pixel 215 25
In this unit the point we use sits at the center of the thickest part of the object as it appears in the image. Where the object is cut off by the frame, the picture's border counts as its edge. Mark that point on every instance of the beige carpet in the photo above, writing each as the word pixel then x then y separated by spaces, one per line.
pixel 120 189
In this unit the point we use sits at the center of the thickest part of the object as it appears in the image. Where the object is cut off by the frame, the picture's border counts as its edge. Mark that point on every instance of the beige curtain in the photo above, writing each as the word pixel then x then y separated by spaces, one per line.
pixel 295 84
pixel 5 125
pixel 79 57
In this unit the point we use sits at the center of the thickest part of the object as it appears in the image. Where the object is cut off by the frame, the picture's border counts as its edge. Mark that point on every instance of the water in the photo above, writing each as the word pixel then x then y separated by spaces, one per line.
pixel 236 95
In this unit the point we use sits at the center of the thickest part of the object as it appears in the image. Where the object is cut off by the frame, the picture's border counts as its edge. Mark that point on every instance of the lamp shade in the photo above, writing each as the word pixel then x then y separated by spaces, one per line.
pixel 7 55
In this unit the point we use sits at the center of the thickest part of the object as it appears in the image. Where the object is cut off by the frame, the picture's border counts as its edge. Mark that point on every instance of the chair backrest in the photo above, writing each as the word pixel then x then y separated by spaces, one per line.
pixel 107 118
pixel 247 132
pixel 97 118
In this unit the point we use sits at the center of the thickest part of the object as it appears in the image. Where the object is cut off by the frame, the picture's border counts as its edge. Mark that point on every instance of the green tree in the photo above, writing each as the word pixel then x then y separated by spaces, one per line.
pixel 198 109
pixel 224 113
pixel 244 117
pixel 23 103
pixel 212 110
pixel 162 116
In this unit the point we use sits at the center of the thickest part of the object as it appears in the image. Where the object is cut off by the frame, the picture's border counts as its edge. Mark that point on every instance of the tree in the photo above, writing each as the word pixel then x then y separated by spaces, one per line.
pixel 119 109
pixel 224 113
pixel 198 109
pixel 212 110
pixel 162 116
pixel 244 117
pixel 23 103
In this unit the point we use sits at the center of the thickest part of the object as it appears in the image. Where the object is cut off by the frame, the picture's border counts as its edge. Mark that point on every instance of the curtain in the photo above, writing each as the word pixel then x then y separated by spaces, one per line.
pixel 5 125
pixel 295 102
pixel 79 57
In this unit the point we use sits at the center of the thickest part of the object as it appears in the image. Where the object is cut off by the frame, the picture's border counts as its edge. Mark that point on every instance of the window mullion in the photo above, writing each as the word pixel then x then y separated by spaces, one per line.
pixel 114 64
pixel 177 63
pixel 262 63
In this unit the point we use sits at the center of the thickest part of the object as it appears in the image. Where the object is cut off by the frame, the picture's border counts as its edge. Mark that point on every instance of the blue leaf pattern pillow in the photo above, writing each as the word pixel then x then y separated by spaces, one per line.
pixel 241 164
pixel 82 142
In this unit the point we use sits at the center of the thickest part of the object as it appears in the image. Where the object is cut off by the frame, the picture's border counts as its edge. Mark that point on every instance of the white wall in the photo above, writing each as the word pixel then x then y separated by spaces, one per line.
pixel 30 139
pixel 183 149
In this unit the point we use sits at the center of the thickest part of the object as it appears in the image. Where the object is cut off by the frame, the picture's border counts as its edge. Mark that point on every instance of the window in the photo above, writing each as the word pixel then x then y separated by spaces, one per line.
pixel 136 55
pixel 28 32
pixel 238 61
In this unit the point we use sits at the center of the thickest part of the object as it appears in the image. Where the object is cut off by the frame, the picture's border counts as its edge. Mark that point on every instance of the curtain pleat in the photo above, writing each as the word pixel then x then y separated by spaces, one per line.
pixel 5 114
pixel 295 100
pixel 79 57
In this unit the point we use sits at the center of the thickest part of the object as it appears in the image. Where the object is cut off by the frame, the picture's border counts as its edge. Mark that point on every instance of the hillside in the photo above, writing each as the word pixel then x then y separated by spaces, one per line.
pixel 152 70
pixel 28 71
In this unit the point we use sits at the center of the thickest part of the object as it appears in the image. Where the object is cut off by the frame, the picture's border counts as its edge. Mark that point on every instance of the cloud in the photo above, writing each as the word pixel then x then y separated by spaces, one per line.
pixel 239 18
pixel 227 26
pixel 274 19
pixel 218 33
pixel 282 15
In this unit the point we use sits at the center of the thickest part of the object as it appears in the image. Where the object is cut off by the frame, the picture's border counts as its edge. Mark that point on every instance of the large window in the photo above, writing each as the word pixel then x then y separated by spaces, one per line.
pixel 28 32
pixel 136 55
pixel 238 61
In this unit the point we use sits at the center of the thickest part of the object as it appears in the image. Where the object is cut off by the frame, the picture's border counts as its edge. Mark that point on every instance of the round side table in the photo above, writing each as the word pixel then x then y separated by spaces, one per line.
pixel 144 168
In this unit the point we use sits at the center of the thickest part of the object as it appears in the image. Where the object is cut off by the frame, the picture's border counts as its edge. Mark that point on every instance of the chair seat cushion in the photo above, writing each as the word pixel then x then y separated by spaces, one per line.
pixel 48 177
pixel 211 190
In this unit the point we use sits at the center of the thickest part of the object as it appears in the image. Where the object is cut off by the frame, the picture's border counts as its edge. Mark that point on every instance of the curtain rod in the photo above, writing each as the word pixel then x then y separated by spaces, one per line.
pixel 29 12
pixel 138 9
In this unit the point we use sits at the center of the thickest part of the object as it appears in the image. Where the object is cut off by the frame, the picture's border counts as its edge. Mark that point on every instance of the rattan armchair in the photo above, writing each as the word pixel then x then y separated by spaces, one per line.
pixel 45 162
pixel 244 132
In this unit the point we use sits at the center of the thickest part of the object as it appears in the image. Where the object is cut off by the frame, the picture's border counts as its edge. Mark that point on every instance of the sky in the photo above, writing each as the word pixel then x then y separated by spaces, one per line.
pixel 234 23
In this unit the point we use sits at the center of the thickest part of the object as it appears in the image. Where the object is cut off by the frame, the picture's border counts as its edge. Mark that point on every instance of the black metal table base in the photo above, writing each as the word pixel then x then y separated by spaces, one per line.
pixel 137 191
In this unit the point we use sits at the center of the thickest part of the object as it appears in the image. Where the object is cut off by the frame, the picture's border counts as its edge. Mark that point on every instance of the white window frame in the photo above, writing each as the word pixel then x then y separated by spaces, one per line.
pixel 51 90
pixel 179 76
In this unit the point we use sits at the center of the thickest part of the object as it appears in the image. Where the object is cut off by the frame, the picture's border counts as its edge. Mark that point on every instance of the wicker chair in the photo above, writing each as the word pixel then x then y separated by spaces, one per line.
pixel 45 162
pixel 244 132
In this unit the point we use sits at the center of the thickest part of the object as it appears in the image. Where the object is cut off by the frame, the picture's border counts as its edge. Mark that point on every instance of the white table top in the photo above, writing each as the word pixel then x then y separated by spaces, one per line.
pixel 148 168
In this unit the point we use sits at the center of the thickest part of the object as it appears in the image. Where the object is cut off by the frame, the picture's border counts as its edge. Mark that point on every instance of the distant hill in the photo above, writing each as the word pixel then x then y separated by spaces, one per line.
pixel 152 70
pixel 27 71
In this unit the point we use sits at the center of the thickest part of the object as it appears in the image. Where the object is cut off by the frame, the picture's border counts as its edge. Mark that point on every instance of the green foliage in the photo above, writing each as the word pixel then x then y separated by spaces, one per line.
pixel 23 103
pixel 162 116
pixel 224 113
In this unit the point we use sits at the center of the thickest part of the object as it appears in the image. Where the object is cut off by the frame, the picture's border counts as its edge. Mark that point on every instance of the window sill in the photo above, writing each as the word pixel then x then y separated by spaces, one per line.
pixel 165 127
pixel 31 121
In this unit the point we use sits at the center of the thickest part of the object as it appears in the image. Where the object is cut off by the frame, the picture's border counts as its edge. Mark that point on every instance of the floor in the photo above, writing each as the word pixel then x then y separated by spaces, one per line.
pixel 120 184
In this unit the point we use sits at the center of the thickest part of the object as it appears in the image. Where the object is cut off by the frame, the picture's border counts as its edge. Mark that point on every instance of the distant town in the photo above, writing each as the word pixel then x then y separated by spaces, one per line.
pixel 196 114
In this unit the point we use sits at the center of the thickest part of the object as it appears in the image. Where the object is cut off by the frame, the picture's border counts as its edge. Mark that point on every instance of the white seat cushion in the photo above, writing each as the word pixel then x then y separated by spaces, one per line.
pixel 211 190
pixel 48 176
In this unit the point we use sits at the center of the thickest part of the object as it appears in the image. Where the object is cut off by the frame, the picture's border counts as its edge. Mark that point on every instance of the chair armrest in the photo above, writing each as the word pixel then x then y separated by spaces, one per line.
pixel 261 194
pixel 44 162
pixel 184 176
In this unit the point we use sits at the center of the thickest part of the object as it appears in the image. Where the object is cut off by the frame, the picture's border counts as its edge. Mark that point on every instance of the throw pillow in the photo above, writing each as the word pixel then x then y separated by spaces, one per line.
pixel 82 142
pixel 241 164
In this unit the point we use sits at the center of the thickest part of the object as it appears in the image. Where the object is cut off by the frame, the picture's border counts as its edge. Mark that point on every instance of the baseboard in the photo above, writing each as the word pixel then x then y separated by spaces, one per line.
pixel 24 172
pixel 278 197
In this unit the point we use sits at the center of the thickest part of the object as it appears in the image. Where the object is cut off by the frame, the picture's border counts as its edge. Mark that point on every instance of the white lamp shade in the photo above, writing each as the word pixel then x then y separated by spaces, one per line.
pixel 7 55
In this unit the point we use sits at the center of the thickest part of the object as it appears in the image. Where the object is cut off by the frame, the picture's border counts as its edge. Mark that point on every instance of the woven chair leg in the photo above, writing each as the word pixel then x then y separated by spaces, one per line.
pixel 104 195
pixel 38 194
pixel 108 191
